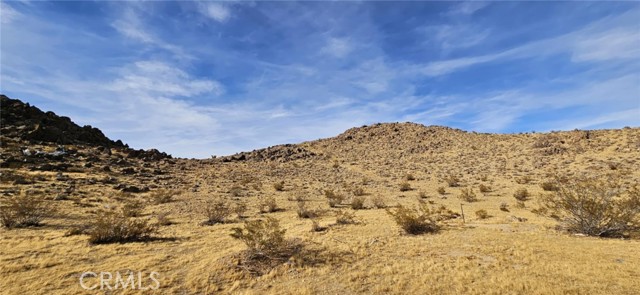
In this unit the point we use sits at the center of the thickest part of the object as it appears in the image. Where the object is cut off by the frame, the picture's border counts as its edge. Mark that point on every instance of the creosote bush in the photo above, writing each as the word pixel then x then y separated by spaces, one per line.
pixel 482 214
pixel 468 195
pixel 267 204
pixel 424 219
pixel 279 186
pixel 24 210
pixel 357 202
pixel 162 196
pixel 113 226
pixel 335 199
pixel 521 194
pixel 452 180
pixel 484 188
pixel 304 212
pixel 133 208
pixel 267 246
pixel 345 217
pixel 599 205
pixel 378 202
pixel 216 211
pixel 405 186
pixel 549 186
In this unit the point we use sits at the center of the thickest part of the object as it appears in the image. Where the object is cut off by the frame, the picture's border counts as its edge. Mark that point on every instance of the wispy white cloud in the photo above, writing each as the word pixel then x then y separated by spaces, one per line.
pixel 467 7
pixel 337 47
pixel 216 11
pixel 7 13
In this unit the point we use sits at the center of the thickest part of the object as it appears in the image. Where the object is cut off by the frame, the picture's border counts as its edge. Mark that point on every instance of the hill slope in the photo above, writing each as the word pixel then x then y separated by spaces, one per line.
pixel 511 251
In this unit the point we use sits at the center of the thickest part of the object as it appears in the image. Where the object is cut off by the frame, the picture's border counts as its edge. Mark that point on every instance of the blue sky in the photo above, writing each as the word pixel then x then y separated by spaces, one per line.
pixel 213 78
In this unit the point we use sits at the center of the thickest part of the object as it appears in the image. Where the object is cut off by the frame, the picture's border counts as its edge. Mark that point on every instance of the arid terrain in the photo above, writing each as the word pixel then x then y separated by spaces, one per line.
pixel 510 248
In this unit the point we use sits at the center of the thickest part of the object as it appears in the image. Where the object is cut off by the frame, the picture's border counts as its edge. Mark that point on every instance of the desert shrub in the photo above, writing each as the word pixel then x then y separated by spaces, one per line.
pixel 357 202
pixel 378 202
pixel 452 180
pixel 216 211
pixel 504 207
pixel 267 204
pixel 522 194
pixel 520 205
pixel 549 186
pixel 334 199
pixel 279 186
pixel 424 219
pixel 239 209
pixel 468 195
pixel 409 177
pixel 162 196
pixel 484 188
pixel 358 191
pixel 236 191
pixel 24 210
pixel 163 219
pixel 484 177
pixel 315 226
pixel 422 195
pixel 482 214
pixel 304 212
pixel 133 208
pixel 441 191
pixel 115 227
pixel 405 186
pixel 596 205
pixel 524 180
pixel 345 217
pixel 267 246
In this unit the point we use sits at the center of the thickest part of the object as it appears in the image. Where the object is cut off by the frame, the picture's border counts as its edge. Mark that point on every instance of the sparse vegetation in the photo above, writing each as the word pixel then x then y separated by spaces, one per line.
pixel 409 177
pixel 441 190
pixel 279 186
pixel 357 202
pixel 378 202
pixel 335 199
pixel 504 207
pixel 112 226
pixel 267 204
pixel 216 211
pixel 304 212
pixel 133 208
pixel 522 194
pixel 266 244
pixel 358 191
pixel 25 209
pixel 345 217
pixel 467 194
pixel 595 205
pixel 452 180
pixel 405 186
pixel 422 220
pixel 549 186
pixel 484 188
pixel 162 196
pixel 482 214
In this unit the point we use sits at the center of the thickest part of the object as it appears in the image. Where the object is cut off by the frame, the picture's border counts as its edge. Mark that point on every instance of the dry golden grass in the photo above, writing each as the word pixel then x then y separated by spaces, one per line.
pixel 512 252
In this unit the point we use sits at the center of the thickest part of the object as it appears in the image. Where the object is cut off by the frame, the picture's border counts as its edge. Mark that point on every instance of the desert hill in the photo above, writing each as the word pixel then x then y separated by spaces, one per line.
pixel 351 246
